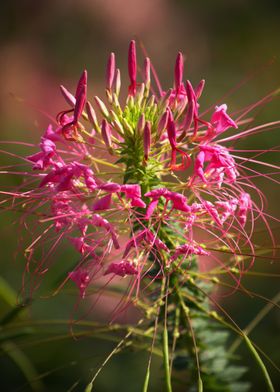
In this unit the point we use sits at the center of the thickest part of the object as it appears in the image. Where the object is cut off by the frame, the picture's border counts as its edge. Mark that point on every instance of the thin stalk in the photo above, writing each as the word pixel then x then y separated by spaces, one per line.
pixel 165 348
pixel 267 378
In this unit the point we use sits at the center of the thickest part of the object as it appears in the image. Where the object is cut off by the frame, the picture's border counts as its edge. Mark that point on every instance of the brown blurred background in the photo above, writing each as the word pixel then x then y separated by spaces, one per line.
pixel 46 43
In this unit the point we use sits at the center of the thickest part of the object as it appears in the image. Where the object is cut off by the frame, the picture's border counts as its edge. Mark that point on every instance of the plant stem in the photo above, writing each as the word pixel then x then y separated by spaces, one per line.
pixel 165 348
pixel 260 363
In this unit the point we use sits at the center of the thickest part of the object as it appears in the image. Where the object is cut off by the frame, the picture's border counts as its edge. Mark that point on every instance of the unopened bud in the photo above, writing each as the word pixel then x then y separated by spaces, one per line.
pixel 147 72
pixel 147 140
pixel 140 93
pixel 127 126
pixel 80 96
pixel 92 116
pixel 178 71
pixel 69 98
pixel 141 124
pixel 164 101
pixel 110 71
pixel 102 107
pixel 106 133
pixel 132 67
pixel 199 88
pixel 118 82
pixel 162 123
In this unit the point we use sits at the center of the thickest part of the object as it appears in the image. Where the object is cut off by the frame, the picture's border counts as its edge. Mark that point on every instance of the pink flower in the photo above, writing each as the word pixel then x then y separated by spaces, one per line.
pixel 145 236
pixel 244 205
pixel 179 201
pixel 43 159
pixel 104 203
pixel 220 122
pixel 133 192
pixel 188 250
pixel 82 280
pixel 122 268
pixel 220 163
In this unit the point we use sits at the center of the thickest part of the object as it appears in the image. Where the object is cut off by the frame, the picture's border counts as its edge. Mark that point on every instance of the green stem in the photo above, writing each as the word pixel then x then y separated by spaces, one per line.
pixel 260 363
pixel 166 359
pixel 165 348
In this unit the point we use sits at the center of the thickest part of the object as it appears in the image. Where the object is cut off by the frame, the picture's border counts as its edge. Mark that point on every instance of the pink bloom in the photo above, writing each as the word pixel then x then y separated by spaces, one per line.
pixel 43 159
pixel 98 221
pixel 220 122
pixel 145 236
pixel 188 250
pixel 133 192
pixel 228 208
pixel 245 204
pixel 82 280
pixel 122 268
pixel 104 203
pixel 220 163
pixel 179 201
pixel 110 187
pixel 63 175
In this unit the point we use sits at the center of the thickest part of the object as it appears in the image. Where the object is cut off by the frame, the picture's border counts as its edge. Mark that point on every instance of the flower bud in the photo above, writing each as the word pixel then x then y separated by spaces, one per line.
pixel 110 71
pixel 199 88
pixel 147 140
pixel 132 67
pixel 80 96
pixel 92 116
pixel 69 98
pixel 162 123
pixel 141 124
pixel 178 71
pixel 102 107
pixel 147 72
pixel 106 133
pixel 118 82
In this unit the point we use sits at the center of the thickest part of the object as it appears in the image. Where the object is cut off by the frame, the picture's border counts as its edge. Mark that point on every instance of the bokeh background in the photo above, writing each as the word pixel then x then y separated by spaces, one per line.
pixel 232 44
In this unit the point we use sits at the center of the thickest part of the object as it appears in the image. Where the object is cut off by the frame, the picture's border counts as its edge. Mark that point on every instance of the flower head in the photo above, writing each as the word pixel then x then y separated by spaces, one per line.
pixel 167 179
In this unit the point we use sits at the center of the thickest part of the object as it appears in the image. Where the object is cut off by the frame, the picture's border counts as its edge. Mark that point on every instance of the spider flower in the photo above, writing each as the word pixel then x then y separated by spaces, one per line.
pixel 140 186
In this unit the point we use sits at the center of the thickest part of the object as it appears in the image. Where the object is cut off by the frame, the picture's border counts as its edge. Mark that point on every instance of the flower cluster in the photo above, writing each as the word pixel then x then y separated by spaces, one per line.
pixel 139 189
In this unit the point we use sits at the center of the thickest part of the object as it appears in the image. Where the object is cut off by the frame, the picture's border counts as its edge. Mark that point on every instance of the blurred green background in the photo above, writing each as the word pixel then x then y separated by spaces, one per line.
pixel 230 43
